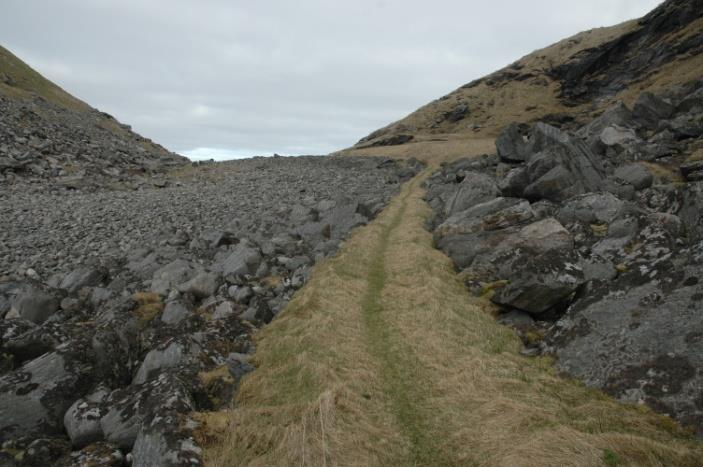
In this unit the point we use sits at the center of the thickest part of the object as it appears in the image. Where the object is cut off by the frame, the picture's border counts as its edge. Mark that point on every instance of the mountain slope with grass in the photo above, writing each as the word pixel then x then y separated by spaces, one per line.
pixel 50 136
pixel 567 83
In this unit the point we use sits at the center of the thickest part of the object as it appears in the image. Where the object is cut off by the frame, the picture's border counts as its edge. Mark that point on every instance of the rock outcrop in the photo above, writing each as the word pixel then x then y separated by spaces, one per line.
pixel 605 70
pixel 591 246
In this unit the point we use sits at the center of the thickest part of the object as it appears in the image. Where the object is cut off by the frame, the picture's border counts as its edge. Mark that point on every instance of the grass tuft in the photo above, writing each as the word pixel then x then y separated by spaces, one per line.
pixel 149 305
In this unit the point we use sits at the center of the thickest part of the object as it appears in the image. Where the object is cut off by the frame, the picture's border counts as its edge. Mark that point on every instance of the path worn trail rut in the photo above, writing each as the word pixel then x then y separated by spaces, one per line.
pixel 383 359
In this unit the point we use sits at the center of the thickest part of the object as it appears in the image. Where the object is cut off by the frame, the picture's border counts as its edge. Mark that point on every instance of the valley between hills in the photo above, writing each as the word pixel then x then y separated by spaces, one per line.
pixel 509 276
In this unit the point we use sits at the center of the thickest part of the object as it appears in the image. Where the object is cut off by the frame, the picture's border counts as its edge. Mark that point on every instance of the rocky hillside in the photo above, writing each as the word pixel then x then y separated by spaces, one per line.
pixel 590 244
pixel 565 84
pixel 47 134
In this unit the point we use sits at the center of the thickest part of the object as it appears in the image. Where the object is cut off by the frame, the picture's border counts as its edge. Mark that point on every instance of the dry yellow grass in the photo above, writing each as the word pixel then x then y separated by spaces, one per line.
pixel 432 150
pixel 149 305
pixel 383 359
pixel 664 173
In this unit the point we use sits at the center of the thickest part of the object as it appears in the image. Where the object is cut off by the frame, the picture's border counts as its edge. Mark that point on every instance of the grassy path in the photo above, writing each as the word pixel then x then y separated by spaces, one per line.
pixel 400 374
pixel 383 359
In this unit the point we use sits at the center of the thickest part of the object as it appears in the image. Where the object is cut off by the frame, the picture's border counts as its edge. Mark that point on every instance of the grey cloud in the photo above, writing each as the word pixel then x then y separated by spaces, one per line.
pixel 310 76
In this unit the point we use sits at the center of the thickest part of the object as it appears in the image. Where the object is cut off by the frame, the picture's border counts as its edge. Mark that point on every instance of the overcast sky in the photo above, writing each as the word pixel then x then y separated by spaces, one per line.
pixel 224 78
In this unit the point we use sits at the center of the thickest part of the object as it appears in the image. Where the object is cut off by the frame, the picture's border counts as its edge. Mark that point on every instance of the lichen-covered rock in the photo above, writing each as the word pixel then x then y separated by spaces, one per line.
pixel 174 353
pixel 167 440
pixel 498 213
pixel 35 397
pixel 82 420
pixel 100 454
pixel 607 268
pixel 137 405
pixel 639 339
pixel 540 284
pixel 592 208
pixel 34 452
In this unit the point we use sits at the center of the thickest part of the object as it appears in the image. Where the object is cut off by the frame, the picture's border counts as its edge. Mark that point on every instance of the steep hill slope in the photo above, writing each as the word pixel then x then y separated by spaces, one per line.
pixel 47 134
pixel 563 84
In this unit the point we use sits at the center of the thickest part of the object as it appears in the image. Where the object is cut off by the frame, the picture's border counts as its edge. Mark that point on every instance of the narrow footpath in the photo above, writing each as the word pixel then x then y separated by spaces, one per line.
pixel 383 359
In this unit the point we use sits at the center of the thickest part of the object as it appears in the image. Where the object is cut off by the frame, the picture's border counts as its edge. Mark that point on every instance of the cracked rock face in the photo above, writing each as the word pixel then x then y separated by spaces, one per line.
pixel 592 248
pixel 140 305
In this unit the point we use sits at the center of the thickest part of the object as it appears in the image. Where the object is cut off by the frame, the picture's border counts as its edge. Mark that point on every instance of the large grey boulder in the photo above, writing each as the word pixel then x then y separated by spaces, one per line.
pixel 135 406
pixel 616 128
pixel 474 189
pixel 33 304
pixel 166 441
pixel 539 265
pixel 512 146
pixel 592 208
pixel 541 236
pixel 639 340
pixel 82 277
pixel 35 397
pixel 495 214
pixel 505 253
pixel 82 419
pixel 177 352
pixel 565 167
pixel 169 276
pixel 174 312
pixel 538 284
pixel 556 185
pixel 514 182
pixel 617 115
pixel 342 218
pixel 203 285
pixel 650 110
pixel 636 175
pixel 243 259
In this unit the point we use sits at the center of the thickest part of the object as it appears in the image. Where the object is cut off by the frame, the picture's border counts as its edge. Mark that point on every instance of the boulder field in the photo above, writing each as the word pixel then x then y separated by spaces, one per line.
pixel 123 312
